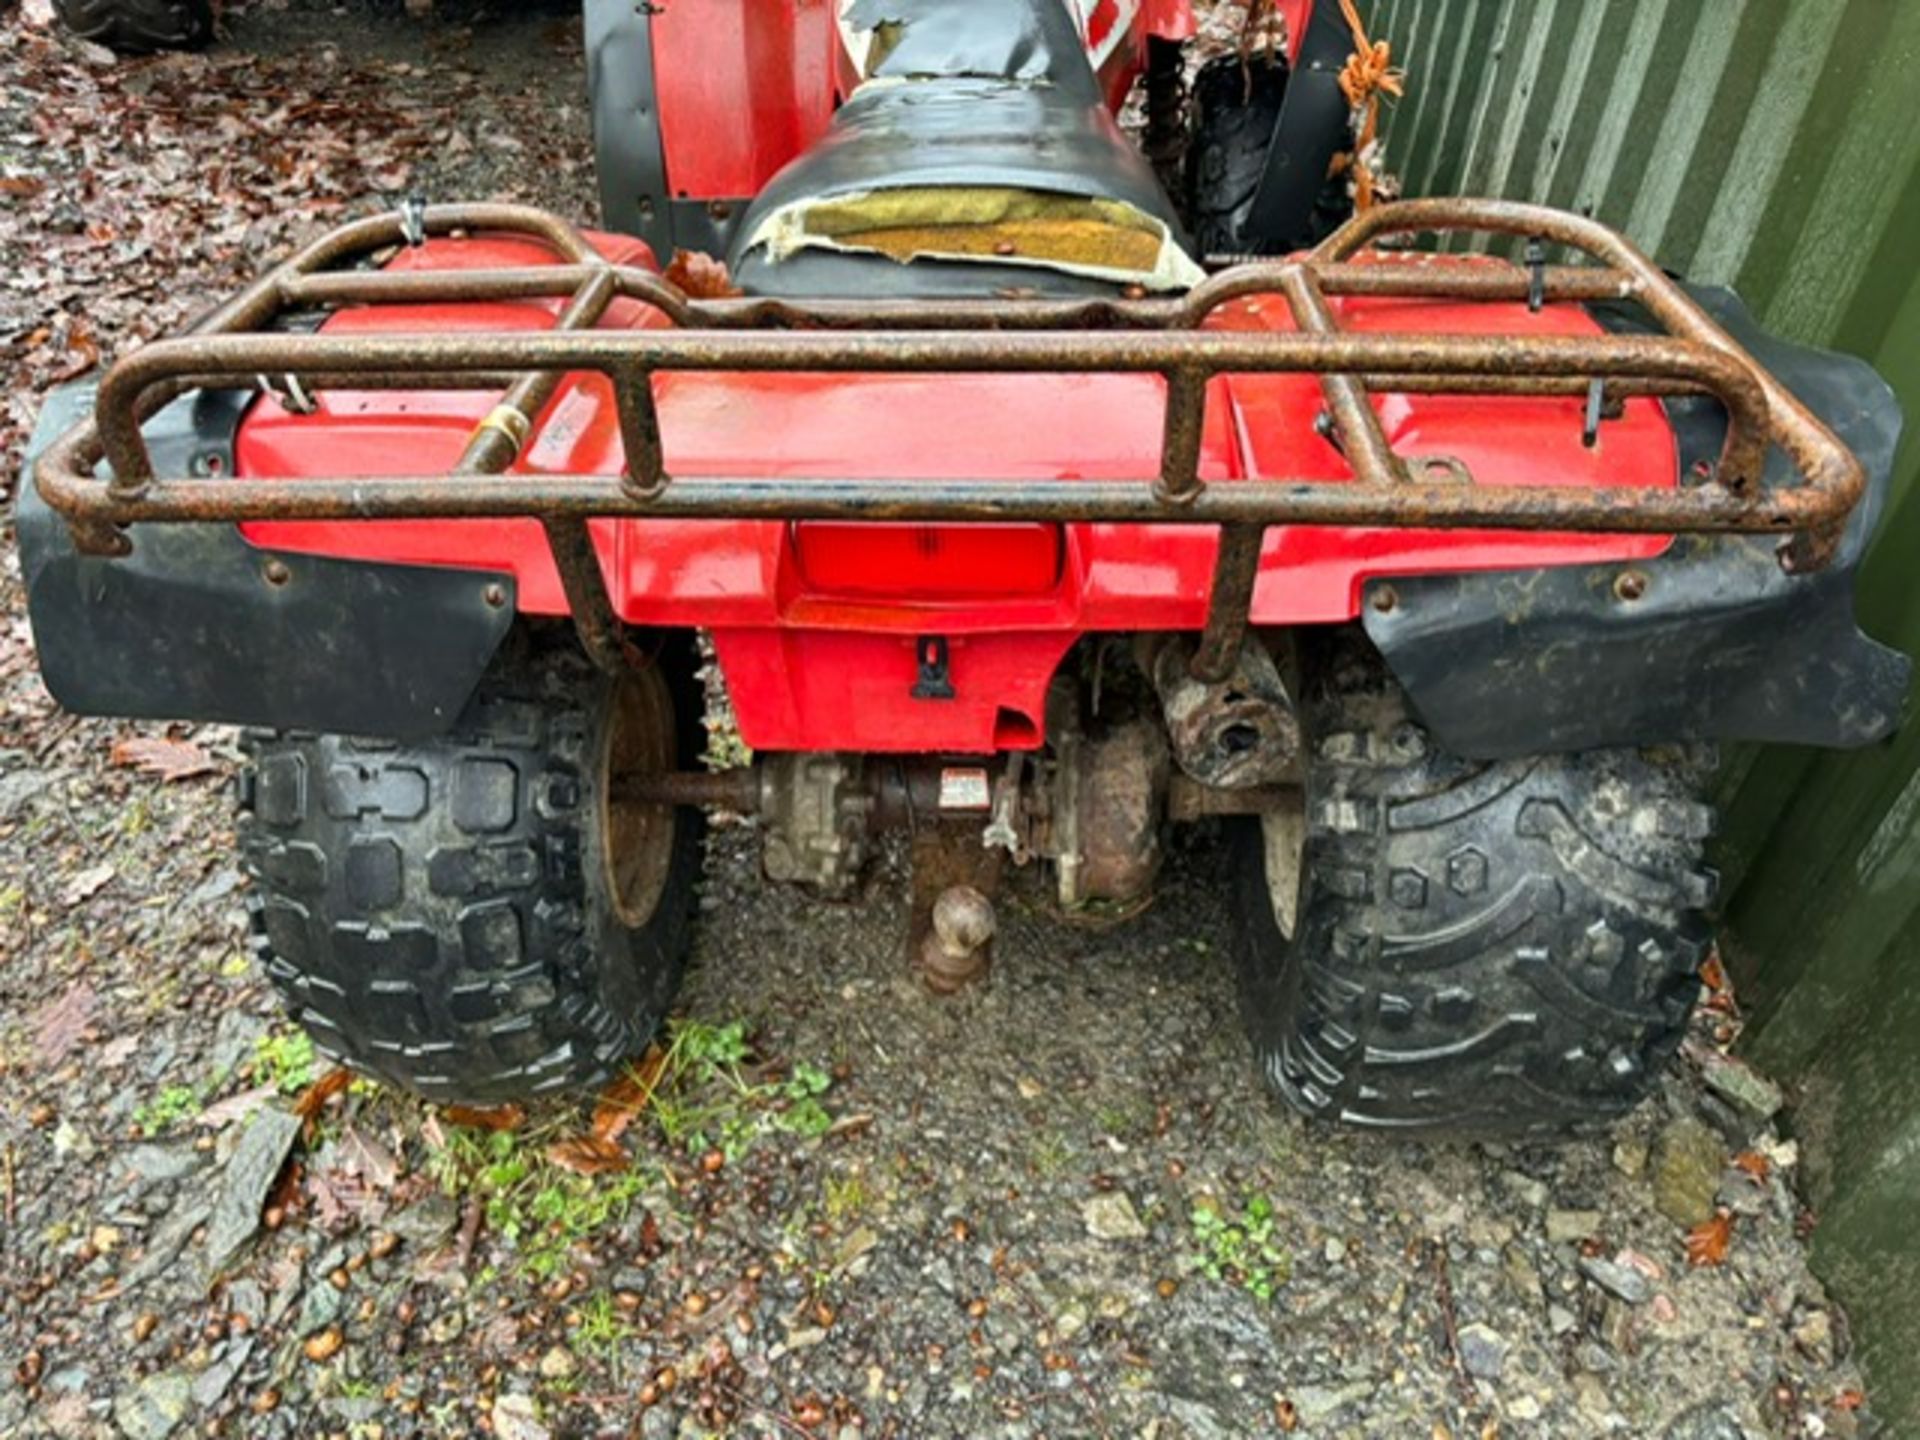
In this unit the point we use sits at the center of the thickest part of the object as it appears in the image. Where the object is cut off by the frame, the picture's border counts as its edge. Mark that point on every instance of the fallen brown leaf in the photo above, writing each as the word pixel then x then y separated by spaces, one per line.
pixel 170 760
pixel 623 1100
pixel 700 276
pixel 367 1158
pixel 1713 974
pixel 339 1197
pixel 314 1098
pixel 598 1151
pixel 486 1117
pixel 1753 1163
pixel 82 356
pixel 59 1024
pixel 1707 1242
pixel 588 1155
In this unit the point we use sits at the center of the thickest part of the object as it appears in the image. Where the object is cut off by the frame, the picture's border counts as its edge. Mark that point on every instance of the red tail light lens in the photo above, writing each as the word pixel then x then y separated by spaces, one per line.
pixel 927 562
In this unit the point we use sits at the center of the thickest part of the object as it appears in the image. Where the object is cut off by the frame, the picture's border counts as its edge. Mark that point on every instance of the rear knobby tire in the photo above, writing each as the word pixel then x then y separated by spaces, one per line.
pixel 139 27
pixel 476 917
pixel 1477 949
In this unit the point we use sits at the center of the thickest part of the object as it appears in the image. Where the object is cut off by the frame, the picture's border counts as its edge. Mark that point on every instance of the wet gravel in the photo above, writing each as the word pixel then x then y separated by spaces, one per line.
pixel 1057 1205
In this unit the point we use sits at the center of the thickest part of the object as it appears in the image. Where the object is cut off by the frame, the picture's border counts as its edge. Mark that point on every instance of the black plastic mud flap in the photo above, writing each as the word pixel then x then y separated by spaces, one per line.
pixel 1710 641
pixel 198 624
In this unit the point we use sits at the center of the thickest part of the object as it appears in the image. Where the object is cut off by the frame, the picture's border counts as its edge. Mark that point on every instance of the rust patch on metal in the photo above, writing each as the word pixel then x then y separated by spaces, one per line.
pixel 1240 730
pixel 1188 800
pixel 1115 816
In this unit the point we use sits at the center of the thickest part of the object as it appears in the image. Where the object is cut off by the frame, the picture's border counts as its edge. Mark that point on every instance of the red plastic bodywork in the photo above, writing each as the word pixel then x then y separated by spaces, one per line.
pixel 770 67
pixel 816 636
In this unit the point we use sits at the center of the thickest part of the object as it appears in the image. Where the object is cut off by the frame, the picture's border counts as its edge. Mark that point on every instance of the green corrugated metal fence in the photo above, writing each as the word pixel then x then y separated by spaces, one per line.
pixel 1773 145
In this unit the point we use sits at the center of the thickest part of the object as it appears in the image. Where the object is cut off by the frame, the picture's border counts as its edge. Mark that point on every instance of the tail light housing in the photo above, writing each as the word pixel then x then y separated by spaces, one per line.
pixel 863 560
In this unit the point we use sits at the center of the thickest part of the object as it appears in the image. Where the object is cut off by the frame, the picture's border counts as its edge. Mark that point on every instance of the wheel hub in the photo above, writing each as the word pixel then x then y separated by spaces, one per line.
pixel 640 741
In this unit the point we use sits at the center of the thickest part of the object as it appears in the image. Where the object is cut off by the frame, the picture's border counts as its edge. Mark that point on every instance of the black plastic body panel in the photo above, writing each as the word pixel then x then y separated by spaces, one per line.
pixel 1710 641
pixel 198 624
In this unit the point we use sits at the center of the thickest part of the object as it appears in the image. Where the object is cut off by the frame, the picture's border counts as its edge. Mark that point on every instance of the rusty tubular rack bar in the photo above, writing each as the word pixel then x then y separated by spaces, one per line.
pixel 1143 335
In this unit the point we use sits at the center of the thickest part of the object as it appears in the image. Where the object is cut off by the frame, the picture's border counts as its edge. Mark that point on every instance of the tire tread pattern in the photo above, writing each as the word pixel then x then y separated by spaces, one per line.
pixel 1484 949
pixel 434 913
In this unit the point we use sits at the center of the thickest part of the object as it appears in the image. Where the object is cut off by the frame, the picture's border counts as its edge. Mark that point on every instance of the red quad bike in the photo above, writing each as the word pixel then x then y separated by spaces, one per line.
pixel 1009 519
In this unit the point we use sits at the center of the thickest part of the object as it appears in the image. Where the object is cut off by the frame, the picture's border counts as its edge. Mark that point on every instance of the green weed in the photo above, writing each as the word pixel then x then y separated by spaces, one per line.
pixel 725 749
pixel 1241 1249
pixel 1048 1156
pixel 704 1100
pixel 701 1100
pixel 540 1210
pixel 571 1208
pixel 137 818
pixel 169 1108
pixel 284 1060
pixel 845 1197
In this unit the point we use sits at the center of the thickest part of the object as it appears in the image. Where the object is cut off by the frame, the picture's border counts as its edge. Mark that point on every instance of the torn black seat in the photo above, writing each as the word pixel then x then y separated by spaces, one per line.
pixel 977 158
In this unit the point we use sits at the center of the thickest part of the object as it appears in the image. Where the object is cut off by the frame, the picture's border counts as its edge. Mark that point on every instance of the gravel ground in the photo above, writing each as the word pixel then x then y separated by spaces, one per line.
pixel 1061 1205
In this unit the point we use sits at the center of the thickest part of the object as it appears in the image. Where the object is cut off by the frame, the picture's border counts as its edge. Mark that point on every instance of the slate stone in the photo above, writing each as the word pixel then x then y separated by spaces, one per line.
pixel 152 1165
pixel 1111 1217
pixel 167 1241
pixel 213 1382
pixel 1623 1281
pixel 155 1408
pixel 1483 1351
pixel 1687 1162
pixel 250 1174
pixel 1741 1086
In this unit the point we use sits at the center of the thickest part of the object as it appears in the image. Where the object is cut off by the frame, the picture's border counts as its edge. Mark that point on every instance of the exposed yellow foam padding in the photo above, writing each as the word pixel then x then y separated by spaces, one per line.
pixel 986 224
pixel 981 222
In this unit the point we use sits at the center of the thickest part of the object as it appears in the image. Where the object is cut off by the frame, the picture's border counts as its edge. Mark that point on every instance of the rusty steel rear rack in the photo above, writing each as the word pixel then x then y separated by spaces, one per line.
pixel 1164 336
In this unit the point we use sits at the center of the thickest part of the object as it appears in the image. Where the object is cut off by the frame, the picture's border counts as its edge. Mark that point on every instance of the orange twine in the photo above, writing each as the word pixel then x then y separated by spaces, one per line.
pixel 1367 75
